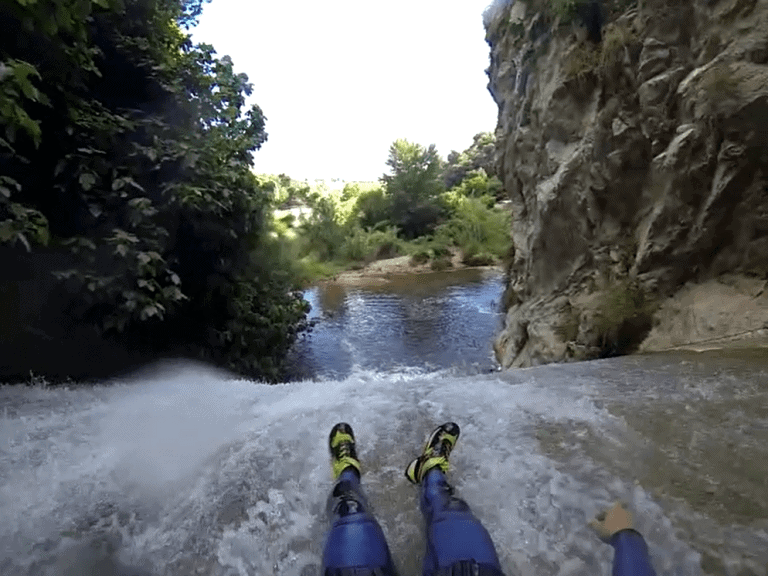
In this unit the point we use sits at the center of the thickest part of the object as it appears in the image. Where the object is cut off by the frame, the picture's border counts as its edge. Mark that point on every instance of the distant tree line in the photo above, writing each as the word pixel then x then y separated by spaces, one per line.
pixel 424 206
pixel 131 225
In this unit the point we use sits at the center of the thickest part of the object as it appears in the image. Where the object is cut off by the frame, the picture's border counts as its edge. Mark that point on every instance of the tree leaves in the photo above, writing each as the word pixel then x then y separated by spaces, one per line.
pixel 144 158
pixel 7 184
pixel 87 180
pixel 26 225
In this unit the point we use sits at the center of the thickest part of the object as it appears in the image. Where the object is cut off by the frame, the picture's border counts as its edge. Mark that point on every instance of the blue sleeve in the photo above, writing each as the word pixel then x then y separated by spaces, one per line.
pixel 631 555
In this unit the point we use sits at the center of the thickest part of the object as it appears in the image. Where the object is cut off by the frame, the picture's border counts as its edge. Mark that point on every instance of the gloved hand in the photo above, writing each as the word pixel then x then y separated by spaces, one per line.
pixel 612 520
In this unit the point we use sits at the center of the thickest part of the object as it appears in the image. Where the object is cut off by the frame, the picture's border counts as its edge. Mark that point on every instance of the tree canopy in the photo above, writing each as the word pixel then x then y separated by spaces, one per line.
pixel 125 156
pixel 414 182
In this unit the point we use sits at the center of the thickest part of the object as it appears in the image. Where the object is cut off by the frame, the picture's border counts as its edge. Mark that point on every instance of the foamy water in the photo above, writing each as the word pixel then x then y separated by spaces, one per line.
pixel 192 471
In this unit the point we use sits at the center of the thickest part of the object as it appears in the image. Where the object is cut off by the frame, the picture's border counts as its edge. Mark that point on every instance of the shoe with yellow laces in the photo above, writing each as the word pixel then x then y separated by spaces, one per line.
pixel 341 443
pixel 436 452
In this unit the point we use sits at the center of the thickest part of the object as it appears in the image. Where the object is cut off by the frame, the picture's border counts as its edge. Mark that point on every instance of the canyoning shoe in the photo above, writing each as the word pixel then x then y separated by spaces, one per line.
pixel 341 443
pixel 436 452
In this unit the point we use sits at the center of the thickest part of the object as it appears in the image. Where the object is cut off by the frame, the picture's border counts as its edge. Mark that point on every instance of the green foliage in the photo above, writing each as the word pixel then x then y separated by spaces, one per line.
pixel 372 206
pixel 420 257
pixel 582 59
pixel 564 9
pixel 413 186
pixel 616 37
pixel 568 330
pixel 440 250
pixel 17 90
pixel 368 221
pixel 415 170
pixel 476 183
pixel 481 259
pixel 586 58
pixel 24 224
pixel 128 149
pixel 516 28
pixel 476 228
pixel 479 156
pixel 369 245
pixel 441 264
pixel 623 317
pixel 323 231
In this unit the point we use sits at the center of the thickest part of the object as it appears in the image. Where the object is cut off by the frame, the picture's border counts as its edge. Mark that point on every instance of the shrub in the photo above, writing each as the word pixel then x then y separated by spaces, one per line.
pixel 586 57
pixel 309 269
pixel 568 329
pixel 420 257
pixel 439 250
pixel 582 59
pixel 476 228
pixel 441 264
pixel 564 9
pixel 477 183
pixel 481 259
pixel 387 249
pixel 623 318
pixel 369 245
pixel 356 246
pixel 371 208
pixel 616 37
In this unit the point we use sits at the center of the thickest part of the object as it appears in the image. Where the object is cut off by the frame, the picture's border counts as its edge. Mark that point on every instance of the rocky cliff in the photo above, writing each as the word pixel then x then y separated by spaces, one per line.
pixel 637 171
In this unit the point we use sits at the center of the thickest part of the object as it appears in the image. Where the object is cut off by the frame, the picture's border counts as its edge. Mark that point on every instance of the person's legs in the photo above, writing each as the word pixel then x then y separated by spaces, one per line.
pixel 355 544
pixel 457 542
pixel 454 534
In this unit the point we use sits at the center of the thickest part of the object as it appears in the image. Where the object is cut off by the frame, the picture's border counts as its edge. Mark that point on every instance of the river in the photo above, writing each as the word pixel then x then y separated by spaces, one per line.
pixel 182 469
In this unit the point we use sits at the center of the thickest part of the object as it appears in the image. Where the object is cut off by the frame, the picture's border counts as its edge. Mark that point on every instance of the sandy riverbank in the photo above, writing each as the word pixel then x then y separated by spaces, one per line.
pixel 384 271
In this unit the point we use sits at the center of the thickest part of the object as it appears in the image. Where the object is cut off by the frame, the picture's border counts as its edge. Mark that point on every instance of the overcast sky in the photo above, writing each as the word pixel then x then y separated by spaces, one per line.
pixel 340 80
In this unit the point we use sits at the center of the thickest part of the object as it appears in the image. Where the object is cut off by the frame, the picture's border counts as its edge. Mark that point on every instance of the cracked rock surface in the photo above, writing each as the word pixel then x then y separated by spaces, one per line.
pixel 637 174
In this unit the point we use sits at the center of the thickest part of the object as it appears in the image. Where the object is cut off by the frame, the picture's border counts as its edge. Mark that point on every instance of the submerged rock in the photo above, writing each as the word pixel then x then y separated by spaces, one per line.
pixel 636 170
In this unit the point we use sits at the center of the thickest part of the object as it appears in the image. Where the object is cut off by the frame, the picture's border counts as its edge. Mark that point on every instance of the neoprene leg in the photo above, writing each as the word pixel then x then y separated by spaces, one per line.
pixel 454 534
pixel 355 538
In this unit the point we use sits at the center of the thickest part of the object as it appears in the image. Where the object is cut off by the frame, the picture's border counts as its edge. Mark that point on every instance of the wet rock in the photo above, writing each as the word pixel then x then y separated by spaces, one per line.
pixel 654 59
pixel 641 175
pixel 654 91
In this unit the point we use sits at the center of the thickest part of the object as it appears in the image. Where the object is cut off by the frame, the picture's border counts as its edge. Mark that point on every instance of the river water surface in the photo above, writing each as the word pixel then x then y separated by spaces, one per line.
pixel 426 321
pixel 186 470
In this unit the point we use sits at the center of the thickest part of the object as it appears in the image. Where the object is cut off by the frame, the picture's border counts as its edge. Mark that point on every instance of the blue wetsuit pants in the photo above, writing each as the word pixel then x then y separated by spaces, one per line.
pixel 457 543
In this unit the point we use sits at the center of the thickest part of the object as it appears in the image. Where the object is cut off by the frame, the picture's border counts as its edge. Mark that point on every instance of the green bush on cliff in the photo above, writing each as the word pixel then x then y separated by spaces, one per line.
pixel 564 9
pixel 623 317
pixel 586 58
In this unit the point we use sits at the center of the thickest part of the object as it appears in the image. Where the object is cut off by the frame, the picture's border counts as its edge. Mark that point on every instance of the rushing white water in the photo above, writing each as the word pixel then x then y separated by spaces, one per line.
pixel 192 471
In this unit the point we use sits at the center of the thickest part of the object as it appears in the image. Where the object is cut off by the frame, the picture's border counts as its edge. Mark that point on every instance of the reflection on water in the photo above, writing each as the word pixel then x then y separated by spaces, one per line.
pixel 426 321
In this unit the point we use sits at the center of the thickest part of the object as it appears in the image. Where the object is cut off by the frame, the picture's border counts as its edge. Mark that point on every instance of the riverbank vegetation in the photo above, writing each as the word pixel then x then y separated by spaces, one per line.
pixel 424 207
pixel 131 225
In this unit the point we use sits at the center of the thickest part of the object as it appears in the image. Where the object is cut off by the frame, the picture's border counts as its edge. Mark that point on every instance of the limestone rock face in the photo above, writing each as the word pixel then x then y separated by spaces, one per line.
pixel 636 169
